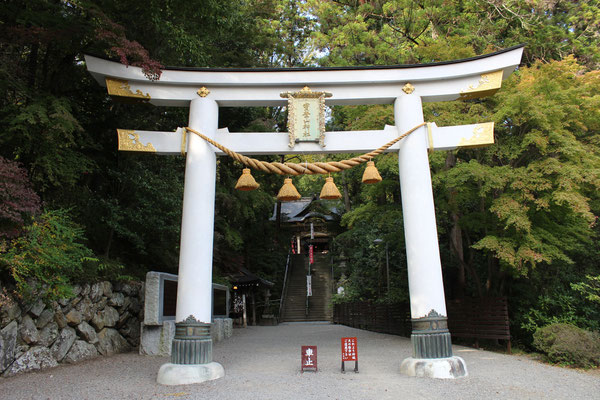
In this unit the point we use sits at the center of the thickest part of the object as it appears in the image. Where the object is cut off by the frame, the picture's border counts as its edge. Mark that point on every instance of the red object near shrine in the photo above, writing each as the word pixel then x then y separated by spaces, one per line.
pixel 309 358
pixel 350 351
pixel 311 257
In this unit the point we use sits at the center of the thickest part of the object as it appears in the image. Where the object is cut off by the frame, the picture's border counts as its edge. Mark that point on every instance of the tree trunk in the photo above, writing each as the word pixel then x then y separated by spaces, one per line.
pixel 456 232
pixel 346 191
pixel 109 242
pixel 32 67
pixel 278 211
pixel 457 245
pixel 472 271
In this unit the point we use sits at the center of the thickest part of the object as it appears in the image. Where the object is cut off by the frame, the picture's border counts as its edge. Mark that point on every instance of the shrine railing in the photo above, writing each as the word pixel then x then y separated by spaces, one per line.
pixel 285 280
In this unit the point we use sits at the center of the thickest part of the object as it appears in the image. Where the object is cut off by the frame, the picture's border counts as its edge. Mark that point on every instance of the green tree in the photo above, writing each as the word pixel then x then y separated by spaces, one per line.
pixel 410 31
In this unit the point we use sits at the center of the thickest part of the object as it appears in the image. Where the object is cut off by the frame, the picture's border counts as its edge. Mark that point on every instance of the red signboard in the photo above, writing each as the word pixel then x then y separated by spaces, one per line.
pixel 311 258
pixel 309 358
pixel 350 351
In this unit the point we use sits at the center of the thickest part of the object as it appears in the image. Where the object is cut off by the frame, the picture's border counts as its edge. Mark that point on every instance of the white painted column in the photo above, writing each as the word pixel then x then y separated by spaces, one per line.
pixel 194 290
pixel 422 250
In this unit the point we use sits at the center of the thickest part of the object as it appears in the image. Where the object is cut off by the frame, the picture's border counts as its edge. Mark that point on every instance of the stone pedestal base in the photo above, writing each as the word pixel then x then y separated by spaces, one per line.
pixel 186 374
pixel 440 368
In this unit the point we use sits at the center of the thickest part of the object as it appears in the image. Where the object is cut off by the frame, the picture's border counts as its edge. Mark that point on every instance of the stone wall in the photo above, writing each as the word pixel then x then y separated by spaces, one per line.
pixel 101 319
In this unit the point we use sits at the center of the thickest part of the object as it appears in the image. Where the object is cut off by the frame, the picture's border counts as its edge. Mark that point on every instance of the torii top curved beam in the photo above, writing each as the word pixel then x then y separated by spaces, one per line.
pixel 468 78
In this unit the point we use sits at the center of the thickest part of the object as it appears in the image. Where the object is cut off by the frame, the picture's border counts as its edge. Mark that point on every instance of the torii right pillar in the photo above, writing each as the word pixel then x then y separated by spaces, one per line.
pixel 432 346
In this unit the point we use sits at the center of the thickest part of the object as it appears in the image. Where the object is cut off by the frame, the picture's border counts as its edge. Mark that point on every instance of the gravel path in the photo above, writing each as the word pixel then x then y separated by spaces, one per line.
pixel 264 363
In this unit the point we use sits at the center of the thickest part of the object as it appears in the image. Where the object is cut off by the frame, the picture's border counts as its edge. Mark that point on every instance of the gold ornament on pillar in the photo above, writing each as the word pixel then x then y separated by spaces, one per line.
pixel 288 191
pixel 330 191
pixel 371 174
pixel 246 181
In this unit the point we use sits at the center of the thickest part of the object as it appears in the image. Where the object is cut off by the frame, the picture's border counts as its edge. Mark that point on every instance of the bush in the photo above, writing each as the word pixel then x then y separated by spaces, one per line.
pixel 568 345
pixel 48 257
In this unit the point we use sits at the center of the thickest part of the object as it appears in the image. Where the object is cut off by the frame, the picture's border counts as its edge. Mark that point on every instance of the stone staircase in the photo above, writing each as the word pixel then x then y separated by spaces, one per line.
pixel 294 303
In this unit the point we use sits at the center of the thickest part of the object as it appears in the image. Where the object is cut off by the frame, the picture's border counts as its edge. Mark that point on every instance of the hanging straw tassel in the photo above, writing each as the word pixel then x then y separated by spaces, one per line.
pixel 371 175
pixel 330 191
pixel 246 181
pixel 288 191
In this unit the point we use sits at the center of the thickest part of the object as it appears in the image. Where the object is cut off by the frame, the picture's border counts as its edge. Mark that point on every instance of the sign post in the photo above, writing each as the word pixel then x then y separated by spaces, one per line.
pixel 349 352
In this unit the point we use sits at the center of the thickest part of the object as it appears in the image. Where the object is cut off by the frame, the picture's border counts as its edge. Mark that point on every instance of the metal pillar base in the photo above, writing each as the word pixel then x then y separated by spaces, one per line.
pixel 191 356
pixel 431 345
pixel 430 336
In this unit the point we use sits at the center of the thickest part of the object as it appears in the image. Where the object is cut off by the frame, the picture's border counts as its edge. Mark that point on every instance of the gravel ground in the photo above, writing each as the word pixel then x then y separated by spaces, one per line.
pixel 264 363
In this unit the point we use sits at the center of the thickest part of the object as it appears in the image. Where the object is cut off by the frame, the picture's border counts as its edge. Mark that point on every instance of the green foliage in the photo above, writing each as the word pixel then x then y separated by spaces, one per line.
pixel 590 289
pixel 411 31
pixel 46 136
pixel 48 257
pixel 137 212
pixel 538 182
pixel 567 344
pixel 558 307
pixel 243 235
pixel 365 260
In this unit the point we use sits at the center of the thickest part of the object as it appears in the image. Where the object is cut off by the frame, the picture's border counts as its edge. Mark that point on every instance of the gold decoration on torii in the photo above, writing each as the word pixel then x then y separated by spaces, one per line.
pixel 488 84
pixel 408 88
pixel 121 88
pixel 203 91
pixel 483 135
pixel 130 141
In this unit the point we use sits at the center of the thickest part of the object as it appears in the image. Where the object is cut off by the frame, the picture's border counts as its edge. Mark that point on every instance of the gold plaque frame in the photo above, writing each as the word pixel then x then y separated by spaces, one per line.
pixel 294 99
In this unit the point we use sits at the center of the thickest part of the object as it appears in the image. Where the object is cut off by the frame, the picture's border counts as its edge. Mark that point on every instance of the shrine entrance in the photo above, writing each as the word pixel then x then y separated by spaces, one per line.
pixel 204 90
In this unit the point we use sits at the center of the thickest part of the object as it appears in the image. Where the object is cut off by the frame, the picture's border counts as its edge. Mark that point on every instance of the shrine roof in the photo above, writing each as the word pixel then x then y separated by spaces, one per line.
pixel 299 211
pixel 244 277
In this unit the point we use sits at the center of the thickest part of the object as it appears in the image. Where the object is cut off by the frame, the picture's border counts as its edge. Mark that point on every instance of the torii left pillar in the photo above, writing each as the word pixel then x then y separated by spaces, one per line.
pixel 191 353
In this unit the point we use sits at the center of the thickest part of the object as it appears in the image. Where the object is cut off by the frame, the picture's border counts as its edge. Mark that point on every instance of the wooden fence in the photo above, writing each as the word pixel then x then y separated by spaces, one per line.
pixel 480 318
pixel 384 318
pixel 485 318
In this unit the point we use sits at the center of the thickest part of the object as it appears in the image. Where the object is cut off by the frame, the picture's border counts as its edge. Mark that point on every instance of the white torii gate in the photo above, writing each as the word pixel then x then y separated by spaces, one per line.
pixel 204 90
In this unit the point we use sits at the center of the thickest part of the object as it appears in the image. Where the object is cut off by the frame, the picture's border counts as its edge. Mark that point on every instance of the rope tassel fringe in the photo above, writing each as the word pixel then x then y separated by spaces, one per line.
pixel 246 181
pixel 288 191
pixel 330 191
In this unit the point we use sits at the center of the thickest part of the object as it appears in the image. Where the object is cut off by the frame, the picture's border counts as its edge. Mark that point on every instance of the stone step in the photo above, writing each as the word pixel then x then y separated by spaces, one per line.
pixel 294 305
